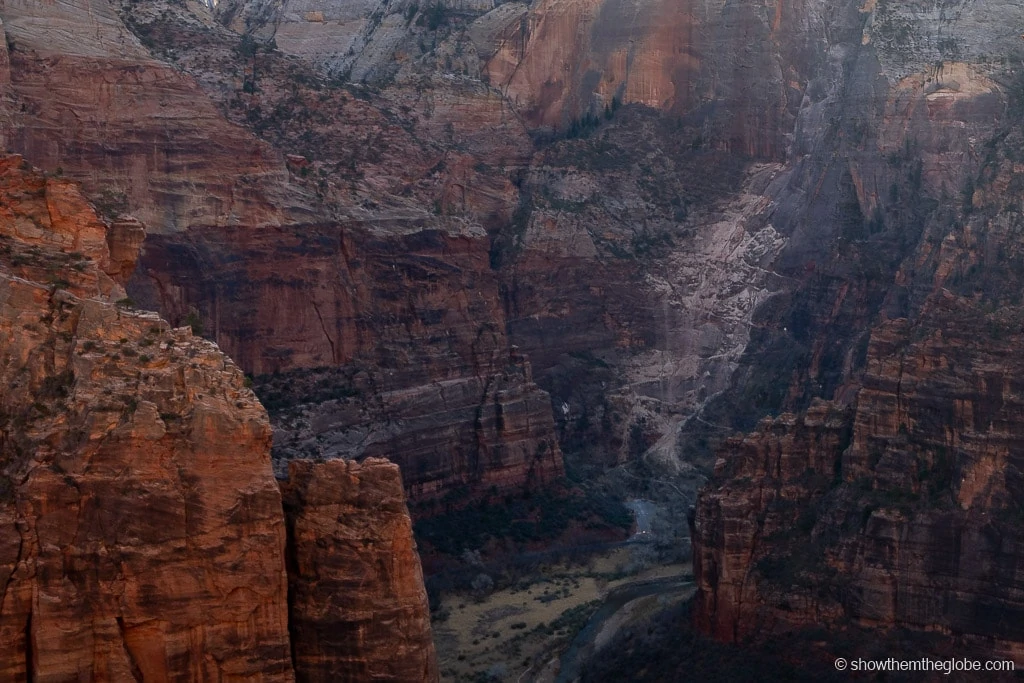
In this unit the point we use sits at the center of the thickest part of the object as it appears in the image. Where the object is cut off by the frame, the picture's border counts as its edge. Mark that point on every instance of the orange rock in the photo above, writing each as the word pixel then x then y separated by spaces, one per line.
pixel 141 532
pixel 358 607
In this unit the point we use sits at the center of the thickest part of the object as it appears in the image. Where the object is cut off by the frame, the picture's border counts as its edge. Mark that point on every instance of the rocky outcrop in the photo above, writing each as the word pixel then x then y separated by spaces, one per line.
pixel 142 534
pixel 473 436
pixel 429 194
pixel 758 499
pixel 141 524
pixel 389 246
pixel 87 98
pixel 358 607
pixel 744 68
pixel 374 363
pixel 560 60
pixel 901 516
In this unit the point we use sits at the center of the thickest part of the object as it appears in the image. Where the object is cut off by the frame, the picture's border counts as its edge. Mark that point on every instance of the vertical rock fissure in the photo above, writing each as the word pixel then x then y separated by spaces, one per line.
pixel 132 662
pixel 323 326
pixel 29 669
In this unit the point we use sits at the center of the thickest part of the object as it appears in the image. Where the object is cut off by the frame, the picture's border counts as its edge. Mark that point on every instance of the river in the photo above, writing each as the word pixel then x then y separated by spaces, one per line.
pixel 583 645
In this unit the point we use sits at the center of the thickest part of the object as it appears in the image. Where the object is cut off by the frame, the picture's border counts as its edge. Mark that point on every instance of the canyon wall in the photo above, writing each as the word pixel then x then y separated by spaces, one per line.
pixel 899 516
pixel 142 525
pixel 739 69
pixel 415 224
pixel 142 534
pixel 383 205
pixel 893 507
pixel 363 248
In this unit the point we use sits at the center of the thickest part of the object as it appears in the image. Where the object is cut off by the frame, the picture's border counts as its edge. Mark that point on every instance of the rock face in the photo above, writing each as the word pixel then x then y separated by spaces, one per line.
pixel 141 525
pixel 467 435
pixel 785 463
pixel 91 101
pixel 873 519
pixel 744 68
pixel 385 206
pixel 358 607
pixel 399 221
pixel 894 507
pixel 142 534
pixel 420 374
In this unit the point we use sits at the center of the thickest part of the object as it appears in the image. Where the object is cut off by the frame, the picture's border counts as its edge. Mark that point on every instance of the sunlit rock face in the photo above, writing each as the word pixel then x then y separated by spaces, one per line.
pixel 141 532
pixel 743 67
pixel 358 606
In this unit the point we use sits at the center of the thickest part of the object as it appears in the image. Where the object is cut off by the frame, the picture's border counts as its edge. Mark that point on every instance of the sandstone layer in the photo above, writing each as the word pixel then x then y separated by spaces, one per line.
pixel 142 534
pixel 390 263
pixel 561 253
pixel 358 607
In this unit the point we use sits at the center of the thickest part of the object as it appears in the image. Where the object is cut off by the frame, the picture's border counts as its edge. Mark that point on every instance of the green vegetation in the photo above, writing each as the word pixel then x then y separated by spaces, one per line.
pixel 1015 96
pixel 573 619
pixel 507 244
pixel 57 386
pixel 434 17
pixel 195 322
pixel 890 29
pixel 111 204
pixel 582 126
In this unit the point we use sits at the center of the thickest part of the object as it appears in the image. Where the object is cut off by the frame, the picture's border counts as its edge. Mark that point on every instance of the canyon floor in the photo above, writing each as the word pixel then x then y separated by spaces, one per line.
pixel 529 630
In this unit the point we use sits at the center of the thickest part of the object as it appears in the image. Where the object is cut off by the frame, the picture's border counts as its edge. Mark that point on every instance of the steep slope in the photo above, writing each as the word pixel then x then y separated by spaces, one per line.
pixel 142 533
pixel 358 606
pixel 141 523
pixel 557 250
pixel 231 212
pixel 893 509
pixel 642 249
pixel 93 102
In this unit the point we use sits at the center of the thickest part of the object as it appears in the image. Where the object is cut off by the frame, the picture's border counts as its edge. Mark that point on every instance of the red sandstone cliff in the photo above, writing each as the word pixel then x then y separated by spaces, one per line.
pixel 358 607
pixel 362 249
pixel 141 523
pixel 414 230
pixel 142 534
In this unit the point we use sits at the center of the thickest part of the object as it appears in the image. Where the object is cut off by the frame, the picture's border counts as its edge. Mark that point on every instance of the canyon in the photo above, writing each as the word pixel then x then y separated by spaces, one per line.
pixel 768 251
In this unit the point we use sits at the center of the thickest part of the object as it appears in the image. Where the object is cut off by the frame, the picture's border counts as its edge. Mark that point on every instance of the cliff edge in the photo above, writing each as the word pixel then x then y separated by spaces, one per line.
pixel 142 533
